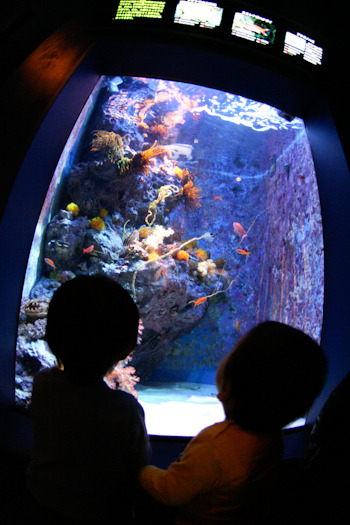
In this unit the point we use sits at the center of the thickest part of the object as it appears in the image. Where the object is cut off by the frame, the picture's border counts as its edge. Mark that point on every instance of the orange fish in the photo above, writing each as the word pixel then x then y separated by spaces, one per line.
pixel 50 263
pixel 238 228
pixel 217 198
pixel 201 300
pixel 89 249
pixel 242 252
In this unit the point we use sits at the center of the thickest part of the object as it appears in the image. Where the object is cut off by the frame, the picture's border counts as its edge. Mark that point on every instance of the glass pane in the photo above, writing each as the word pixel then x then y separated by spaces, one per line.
pixel 205 206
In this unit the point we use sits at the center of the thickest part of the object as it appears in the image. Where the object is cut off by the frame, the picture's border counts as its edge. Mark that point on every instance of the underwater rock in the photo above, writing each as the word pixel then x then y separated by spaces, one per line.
pixel 163 302
pixel 44 288
pixel 31 357
pixel 94 186
pixel 105 245
pixel 64 241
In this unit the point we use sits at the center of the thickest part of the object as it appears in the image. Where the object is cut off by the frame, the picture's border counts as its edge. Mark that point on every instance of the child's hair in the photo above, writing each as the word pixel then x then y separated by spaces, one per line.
pixel 92 323
pixel 275 374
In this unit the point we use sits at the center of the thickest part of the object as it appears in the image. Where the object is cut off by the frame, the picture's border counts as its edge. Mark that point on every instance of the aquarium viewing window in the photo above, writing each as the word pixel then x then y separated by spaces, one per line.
pixel 253 27
pixel 198 12
pixel 301 45
pixel 204 205
pixel 130 9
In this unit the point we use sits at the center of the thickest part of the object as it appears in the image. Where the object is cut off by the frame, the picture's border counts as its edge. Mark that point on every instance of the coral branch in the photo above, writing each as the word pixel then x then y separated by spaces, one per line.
pixel 163 193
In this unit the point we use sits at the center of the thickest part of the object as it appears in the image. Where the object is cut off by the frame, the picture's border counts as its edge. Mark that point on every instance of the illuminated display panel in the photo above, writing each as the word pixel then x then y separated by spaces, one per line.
pixel 253 27
pixel 130 9
pixel 198 12
pixel 299 44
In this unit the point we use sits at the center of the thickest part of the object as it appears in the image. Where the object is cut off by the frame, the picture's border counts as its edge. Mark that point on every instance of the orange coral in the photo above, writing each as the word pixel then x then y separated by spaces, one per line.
pixel 186 176
pixel 183 174
pixel 162 96
pixel 144 232
pixel 146 105
pixel 173 117
pixel 191 195
pixel 201 254
pixel 159 130
pixel 182 255
pixel 154 151
pixel 141 160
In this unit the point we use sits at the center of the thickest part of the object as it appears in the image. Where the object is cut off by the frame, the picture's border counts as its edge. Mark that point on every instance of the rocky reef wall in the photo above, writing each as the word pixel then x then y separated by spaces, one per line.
pixel 292 268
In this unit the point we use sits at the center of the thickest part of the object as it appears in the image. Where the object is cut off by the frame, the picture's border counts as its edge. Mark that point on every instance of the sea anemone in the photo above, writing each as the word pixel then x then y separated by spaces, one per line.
pixel 97 223
pixel 110 143
pixel 182 255
pixel 74 208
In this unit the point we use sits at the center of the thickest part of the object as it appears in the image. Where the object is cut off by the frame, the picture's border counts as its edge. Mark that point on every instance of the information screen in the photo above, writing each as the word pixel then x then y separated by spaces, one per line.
pixel 198 12
pixel 130 9
pixel 298 44
pixel 253 27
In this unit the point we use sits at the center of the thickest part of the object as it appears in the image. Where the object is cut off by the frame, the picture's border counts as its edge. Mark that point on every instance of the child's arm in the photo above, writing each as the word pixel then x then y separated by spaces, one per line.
pixel 196 472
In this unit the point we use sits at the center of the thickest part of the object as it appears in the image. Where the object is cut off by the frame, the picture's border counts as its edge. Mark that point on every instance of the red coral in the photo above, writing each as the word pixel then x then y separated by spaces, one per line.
pixel 124 376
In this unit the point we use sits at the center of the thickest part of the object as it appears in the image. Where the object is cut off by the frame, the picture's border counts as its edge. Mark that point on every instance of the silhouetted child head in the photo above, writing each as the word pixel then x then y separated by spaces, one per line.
pixel 92 323
pixel 271 377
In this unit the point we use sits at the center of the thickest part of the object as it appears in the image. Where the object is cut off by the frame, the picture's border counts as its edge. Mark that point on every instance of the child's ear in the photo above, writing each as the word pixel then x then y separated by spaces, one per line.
pixel 225 394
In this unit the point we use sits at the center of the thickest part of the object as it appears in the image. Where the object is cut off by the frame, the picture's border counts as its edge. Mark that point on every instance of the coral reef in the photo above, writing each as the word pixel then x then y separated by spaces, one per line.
pixel 156 198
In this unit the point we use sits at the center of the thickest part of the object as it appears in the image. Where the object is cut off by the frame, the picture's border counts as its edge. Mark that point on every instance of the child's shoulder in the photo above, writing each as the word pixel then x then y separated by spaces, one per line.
pixel 217 430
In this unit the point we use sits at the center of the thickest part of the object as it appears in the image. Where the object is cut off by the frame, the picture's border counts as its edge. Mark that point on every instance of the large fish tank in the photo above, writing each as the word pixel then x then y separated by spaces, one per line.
pixel 204 205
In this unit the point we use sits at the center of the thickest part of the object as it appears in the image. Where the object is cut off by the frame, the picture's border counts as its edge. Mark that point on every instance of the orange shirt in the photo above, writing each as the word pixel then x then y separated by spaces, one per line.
pixel 224 476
